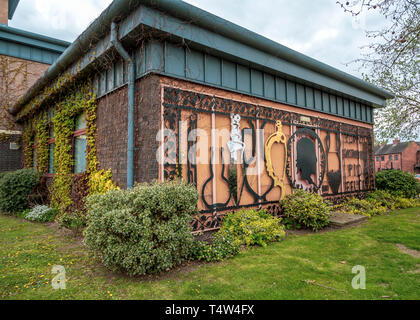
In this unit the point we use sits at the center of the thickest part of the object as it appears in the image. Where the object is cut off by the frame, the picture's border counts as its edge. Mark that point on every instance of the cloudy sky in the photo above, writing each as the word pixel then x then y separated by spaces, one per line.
pixel 317 28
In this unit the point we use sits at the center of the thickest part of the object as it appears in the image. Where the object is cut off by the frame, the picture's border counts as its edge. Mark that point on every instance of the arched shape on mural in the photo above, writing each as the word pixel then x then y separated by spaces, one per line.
pixel 306 160
pixel 280 138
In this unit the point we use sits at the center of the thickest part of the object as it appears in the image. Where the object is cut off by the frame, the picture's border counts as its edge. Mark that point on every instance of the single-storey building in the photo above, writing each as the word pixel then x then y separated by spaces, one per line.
pixel 159 89
pixel 24 57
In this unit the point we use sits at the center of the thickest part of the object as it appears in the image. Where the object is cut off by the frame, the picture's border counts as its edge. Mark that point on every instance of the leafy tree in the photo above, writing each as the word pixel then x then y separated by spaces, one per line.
pixel 392 62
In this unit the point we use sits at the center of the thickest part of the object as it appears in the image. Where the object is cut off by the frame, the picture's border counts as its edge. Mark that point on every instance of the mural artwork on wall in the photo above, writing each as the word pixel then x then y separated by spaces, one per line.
pixel 334 177
pixel 309 152
pixel 247 166
pixel 277 137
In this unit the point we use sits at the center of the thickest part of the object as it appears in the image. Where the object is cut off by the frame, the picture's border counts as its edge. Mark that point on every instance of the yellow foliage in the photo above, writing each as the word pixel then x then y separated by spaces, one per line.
pixel 100 182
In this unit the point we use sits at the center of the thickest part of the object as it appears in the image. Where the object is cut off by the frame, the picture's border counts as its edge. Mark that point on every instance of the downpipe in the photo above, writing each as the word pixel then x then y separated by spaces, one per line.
pixel 131 88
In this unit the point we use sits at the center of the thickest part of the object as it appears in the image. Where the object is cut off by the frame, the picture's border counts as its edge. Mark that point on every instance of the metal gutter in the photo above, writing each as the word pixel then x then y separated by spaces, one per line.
pixel 119 9
pixel 131 88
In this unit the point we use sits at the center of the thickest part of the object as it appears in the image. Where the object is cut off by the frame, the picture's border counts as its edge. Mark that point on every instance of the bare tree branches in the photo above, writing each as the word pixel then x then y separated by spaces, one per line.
pixel 392 62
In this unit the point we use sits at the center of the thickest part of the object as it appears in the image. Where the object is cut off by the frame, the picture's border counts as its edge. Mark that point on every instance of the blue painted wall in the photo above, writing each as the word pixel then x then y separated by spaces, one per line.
pixel 30 46
pixel 185 63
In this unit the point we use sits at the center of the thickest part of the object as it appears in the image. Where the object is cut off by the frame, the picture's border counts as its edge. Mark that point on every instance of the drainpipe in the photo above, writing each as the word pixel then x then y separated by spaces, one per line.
pixel 131 80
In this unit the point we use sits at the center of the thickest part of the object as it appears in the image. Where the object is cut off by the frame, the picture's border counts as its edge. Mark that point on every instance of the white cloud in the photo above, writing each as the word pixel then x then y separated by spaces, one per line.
pixel 319 29
pixel 56 18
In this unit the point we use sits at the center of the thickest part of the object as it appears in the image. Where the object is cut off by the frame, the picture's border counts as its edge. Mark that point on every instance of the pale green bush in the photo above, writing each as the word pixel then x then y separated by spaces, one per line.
pixel 145 230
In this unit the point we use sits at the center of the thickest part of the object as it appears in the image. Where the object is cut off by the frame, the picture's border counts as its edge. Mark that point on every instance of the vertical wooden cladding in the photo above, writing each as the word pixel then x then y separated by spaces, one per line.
pixel 342 152
pixel 186 63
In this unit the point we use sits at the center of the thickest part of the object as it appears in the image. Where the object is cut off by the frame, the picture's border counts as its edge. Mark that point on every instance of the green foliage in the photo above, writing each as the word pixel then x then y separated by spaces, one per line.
pixel 376 203
pixel 367 207
pixel 398 183
pixel 383 197
pixel 2 174
pixel 28 141
pixel 100 182
pixel 252 227
pixel 64 122
pixel 41 213
pixel 304 209
pixel 144 230
pixel 75 220
pixel 15 188
pixel 222 247
pixel 41 138
pixel 404 203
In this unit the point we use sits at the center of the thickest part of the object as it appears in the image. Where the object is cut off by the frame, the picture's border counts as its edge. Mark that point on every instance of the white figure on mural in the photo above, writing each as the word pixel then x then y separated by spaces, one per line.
pixel 235 144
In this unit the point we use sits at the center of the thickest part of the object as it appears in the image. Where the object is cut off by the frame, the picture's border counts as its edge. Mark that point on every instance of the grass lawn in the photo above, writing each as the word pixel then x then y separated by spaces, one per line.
pixel 313 266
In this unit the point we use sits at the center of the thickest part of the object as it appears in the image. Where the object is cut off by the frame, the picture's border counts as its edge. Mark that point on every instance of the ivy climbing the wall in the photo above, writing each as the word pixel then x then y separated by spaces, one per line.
pixel 41 133
pixel 28 141
pixel 65 191
pixel 64 122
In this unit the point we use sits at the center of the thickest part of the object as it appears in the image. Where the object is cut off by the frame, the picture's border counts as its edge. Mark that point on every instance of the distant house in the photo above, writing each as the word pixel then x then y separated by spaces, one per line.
pixel 403 156
pixel 24 57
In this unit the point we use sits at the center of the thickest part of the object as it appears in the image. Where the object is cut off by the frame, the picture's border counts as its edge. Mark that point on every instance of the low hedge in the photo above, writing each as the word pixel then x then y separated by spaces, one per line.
pixel 306 209
pixel 252 227
pixel 398 183
pixel 144 230
pixel 376 203
pixel 223 246
pixel 15 188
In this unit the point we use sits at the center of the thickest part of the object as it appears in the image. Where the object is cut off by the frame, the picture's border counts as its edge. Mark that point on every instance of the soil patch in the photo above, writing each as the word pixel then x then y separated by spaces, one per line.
pixel 411 252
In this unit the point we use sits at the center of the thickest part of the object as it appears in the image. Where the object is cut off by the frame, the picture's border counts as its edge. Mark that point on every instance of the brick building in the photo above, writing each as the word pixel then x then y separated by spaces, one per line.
pixel 403 156
pixel 169 78
pixel 24 57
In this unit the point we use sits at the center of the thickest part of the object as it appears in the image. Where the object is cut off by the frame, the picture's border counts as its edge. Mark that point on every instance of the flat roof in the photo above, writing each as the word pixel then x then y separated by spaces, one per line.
pixel 166 15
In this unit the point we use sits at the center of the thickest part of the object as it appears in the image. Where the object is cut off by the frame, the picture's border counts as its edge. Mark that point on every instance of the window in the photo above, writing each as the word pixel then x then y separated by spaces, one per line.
pixel 396 157
pixel 390 157
pixel 383 158
pixel 378 158
pixel 80 144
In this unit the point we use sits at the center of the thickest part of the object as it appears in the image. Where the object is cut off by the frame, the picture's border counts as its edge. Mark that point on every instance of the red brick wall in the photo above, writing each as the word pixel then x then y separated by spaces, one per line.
pixel 387 163
pixel 4 11
pixel 409 157
pixel 406 161
pixel 112 131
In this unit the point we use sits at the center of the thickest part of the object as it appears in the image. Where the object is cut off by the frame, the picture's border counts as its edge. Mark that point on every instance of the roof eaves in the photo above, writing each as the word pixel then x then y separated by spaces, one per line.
pixel 182 10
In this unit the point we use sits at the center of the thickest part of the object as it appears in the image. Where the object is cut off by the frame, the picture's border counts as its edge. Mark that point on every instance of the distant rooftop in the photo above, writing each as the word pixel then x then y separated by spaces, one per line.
pixel 393 148
pixel 12 8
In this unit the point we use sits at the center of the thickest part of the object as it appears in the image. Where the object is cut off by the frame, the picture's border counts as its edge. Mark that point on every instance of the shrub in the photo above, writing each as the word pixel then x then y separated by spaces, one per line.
pixel 398 183
pixel 306 209
pixel 144 230
pixel 101 182
pixel 404 203
pixel 367 207
pixel 223 246
pixel 383 197
pixel 252 227
pixel 75 220
pixel 41 214
pixel 2 174
pixel 15 188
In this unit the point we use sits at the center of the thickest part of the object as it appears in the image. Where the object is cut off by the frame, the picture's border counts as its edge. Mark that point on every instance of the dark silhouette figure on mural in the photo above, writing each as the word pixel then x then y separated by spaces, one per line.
pixel 306 159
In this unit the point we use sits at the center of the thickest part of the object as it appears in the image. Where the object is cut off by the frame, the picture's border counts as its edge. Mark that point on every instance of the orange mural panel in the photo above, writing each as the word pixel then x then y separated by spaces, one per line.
pixel 240 154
